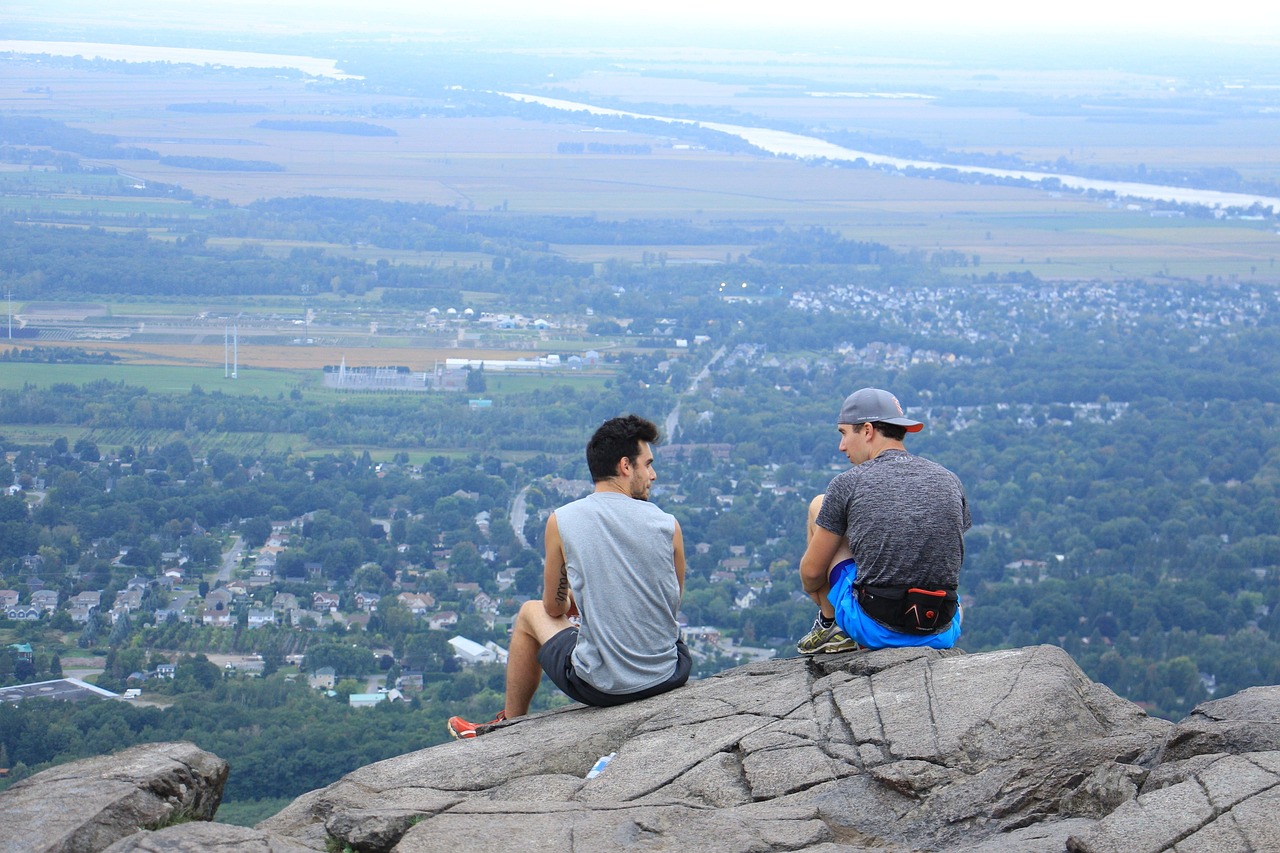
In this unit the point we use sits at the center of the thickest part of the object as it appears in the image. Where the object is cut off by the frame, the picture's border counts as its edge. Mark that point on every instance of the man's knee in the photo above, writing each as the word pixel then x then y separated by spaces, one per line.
pixel 533 619
pixel 530 613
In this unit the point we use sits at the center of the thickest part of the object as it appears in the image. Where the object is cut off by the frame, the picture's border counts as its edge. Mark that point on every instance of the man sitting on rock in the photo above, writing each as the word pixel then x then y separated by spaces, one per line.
pixel 618 561
pixel 885 542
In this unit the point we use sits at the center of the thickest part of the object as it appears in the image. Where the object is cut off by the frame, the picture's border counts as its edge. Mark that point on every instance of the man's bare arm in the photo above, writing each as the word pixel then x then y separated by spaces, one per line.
pixel 678 540
pixel 556 596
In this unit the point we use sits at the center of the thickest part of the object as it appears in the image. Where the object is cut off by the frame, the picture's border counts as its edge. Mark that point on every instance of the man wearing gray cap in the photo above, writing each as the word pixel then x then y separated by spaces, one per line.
pixel 885 542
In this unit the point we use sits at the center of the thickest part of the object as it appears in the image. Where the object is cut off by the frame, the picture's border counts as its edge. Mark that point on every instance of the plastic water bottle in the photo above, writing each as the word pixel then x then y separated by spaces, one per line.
pixel 601 763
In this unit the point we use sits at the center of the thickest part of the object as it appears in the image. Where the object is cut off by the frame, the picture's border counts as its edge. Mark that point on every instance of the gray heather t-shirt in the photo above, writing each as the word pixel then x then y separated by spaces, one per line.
pixel 620 555
pixel 903 517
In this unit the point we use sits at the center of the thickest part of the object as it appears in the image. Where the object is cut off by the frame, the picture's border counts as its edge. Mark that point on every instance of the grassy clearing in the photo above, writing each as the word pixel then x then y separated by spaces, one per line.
pixel 366 253
pixel 263 382
pixel 15 179
pixel 155 309
pixel 161 379
pixel 1080 242
pixel 105 205
pixel 508 383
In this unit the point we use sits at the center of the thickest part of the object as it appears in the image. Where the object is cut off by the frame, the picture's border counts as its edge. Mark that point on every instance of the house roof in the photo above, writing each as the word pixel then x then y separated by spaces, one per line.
pixel 70 689
pixel 468 647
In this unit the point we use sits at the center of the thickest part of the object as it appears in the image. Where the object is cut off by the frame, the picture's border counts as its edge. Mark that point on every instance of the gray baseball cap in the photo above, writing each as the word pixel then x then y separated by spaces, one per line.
pixel 875 406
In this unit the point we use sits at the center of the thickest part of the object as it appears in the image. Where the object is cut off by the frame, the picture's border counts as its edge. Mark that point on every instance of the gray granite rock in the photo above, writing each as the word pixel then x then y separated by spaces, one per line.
pixel 86 805
pixel 204 838
pixel 1230 804
pixel 1248 721
pixel 895 749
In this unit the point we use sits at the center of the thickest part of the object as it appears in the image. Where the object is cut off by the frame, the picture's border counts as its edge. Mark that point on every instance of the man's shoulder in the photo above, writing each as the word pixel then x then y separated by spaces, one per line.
pixel 606 501
pixel 846 478
pixel 906 457
pixel 890 466
pixel 935 466
pixel 652 509
pixel 585 499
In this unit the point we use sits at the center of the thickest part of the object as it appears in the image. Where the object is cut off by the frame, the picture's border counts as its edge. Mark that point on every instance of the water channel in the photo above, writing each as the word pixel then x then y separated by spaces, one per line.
pixel 782 143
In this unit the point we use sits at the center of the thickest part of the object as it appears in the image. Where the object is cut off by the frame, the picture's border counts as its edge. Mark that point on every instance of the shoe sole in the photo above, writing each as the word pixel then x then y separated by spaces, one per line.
pixel 830 650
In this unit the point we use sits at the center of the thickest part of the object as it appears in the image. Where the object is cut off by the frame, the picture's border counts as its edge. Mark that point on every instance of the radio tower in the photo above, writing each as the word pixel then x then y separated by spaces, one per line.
pixel 230 351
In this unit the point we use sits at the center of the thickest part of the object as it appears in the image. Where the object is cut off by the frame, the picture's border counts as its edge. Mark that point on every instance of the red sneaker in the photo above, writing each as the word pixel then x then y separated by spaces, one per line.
pixel 463 730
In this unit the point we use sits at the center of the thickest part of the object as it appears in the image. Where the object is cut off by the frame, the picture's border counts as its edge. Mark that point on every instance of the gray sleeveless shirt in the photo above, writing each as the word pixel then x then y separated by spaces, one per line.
pixel 620 556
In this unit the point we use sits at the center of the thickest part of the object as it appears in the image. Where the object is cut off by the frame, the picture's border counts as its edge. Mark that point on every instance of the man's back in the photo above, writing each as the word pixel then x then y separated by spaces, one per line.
pixel 623 560
pixel 903 517
pixel 620 558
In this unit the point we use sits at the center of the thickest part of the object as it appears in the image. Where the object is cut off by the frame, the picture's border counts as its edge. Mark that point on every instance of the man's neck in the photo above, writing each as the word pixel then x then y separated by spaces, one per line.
pixel 613 484
pixel 885 445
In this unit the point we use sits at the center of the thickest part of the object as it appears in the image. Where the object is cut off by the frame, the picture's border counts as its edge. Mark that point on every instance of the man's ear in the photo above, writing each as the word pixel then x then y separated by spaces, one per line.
pixel 624 467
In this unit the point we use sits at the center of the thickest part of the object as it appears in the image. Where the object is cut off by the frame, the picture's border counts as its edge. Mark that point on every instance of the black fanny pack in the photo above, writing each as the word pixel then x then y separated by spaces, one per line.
pixel 909 610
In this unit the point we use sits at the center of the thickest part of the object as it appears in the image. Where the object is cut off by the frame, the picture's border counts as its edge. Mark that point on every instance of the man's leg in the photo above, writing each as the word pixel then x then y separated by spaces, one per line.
pixel 820 596
pixel 825 635
pixel 533 627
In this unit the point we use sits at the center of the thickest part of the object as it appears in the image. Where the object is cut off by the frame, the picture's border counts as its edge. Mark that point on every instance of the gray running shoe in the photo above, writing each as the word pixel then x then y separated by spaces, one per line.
pixel 825 640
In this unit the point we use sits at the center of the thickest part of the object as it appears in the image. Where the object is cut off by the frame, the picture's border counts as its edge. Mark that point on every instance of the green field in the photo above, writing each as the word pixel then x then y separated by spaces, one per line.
pixel 514 383
pixel 102 205
pixel 161 379
pixel 150 307
pixel 167 379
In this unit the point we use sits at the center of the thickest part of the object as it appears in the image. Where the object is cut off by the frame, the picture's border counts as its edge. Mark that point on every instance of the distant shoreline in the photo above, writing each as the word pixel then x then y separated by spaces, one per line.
pixel 309 65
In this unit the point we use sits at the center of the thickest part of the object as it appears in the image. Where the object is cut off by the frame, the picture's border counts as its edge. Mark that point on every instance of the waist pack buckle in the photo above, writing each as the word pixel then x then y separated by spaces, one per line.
pixel 909 610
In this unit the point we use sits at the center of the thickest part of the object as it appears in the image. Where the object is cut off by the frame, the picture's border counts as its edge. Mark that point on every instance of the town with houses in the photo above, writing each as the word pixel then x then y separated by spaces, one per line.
pixel 247 592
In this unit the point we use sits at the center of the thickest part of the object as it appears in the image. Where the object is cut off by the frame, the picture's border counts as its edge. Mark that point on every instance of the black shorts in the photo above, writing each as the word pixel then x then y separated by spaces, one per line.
pixel 556 659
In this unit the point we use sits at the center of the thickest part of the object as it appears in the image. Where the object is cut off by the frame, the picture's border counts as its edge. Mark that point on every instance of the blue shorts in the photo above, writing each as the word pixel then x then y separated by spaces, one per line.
pixel 867 631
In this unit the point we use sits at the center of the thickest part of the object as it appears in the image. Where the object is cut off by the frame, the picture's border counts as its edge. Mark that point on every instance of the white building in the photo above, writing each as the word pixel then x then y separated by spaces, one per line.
pixel 470 652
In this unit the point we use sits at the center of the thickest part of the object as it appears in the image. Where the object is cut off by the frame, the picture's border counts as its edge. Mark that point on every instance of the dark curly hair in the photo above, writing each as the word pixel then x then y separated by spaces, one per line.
pixel 616 438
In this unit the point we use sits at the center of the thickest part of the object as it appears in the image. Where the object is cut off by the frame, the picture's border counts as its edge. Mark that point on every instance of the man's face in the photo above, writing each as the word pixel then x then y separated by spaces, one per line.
pixel 852 442
pixel 642 473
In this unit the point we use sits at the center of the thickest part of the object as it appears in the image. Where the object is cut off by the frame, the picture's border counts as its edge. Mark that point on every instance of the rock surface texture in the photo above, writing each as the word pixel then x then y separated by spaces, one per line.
pixel 895 750
pixel 87 805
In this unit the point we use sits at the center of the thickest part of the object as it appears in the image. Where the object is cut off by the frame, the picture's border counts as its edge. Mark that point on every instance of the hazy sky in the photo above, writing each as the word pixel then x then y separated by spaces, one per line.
pixel 1243 17
pixel 1248 20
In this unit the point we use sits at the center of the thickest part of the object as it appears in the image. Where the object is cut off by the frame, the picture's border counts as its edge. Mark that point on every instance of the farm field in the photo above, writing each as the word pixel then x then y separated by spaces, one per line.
pixel 79 205
pixel 496 162
pixel 162 379
pixel 204 443
pixel 1100 244
pixel 175 364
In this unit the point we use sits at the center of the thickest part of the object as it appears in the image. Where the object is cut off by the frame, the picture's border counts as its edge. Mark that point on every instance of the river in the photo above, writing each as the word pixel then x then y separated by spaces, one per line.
pixel 782 143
